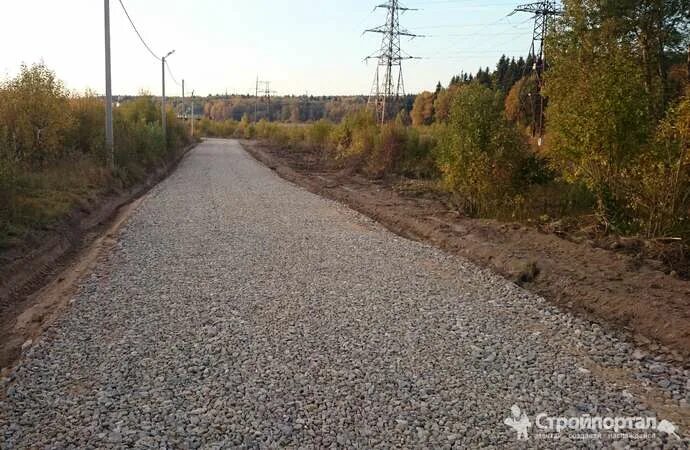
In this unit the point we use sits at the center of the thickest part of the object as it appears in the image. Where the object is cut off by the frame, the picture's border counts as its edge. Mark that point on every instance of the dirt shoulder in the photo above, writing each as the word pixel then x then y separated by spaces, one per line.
pixel 609 287
pixel 38 278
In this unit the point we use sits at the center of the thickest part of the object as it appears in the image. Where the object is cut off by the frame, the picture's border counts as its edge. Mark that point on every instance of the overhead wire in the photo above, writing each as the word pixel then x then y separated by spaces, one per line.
pixel 131 22
pixel 146 45
pixel 167 65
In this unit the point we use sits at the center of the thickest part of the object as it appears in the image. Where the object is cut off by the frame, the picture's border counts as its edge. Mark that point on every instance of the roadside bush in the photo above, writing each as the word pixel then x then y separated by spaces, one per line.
pixel 219 129
pixel 387 150
pixel 418 158
pixel 272 132
pixel 403 118
pixel 338 139
pixel 139 141
pixel 87 134
pixel 296 136
pixel 480 153
pixel 281 134
pixel 139 146
pixel 658 181
pixel 534 169
pixel 245 129
pixel 178 133
pixel 317 134
pixel 354 136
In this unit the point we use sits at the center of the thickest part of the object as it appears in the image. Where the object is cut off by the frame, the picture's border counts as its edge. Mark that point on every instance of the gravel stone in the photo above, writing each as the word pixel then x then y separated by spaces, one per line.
pixel 238 310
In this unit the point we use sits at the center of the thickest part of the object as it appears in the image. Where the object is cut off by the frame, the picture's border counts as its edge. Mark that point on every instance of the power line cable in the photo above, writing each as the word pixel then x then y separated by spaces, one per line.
pixel 460 6
pixel 171 73
pixel 502 21
pixel 137 32
pixel 478 34
pixel 462 2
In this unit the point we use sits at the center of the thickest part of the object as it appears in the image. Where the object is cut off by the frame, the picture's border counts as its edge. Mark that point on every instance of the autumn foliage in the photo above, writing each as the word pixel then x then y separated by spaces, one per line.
pixel 52 148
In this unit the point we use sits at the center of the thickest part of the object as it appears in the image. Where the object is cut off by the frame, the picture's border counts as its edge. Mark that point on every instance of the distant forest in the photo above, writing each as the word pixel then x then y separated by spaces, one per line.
pixel 289 108
pixel 296 109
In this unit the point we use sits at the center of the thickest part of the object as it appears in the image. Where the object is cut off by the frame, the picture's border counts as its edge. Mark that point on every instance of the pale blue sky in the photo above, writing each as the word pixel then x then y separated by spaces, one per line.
pixel 299 45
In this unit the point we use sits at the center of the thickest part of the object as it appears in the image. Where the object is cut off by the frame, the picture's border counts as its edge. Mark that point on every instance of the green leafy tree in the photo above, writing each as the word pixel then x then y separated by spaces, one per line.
pixel 143 109
pixel 657 31
pixel 659 179
pixel 599 116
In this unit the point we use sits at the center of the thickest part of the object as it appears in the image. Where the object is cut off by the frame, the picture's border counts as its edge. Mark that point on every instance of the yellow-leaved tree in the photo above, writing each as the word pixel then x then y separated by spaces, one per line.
pixel 35 116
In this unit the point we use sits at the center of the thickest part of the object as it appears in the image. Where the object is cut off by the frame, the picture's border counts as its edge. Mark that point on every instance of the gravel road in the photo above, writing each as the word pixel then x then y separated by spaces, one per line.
pixel 238 310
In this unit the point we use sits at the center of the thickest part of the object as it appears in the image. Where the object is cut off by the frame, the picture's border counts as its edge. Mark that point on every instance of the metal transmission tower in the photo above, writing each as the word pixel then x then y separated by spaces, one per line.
pixel 387 90
pixel 266 94
pixel 256 99
pixel 543 11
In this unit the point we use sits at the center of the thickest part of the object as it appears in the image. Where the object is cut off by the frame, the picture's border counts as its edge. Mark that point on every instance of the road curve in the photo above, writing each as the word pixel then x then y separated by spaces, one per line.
pixel 238 310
